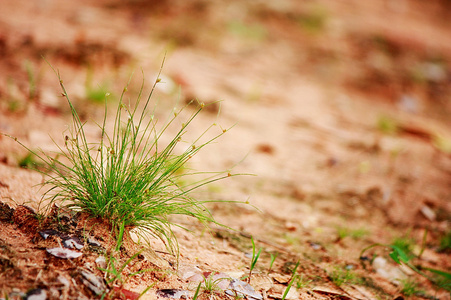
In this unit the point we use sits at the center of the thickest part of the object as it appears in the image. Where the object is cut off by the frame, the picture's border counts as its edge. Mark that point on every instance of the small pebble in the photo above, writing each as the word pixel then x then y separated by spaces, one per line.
pixel 101 262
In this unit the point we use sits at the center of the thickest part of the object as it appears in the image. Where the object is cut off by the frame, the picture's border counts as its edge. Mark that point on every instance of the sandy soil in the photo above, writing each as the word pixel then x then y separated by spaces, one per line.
pixel 340 108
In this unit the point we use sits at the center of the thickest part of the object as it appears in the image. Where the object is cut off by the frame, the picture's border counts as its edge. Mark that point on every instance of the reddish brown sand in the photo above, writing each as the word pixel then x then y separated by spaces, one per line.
pixel 340 108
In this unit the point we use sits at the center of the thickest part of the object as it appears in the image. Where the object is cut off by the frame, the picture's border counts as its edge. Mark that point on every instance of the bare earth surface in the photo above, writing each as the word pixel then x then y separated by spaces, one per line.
pixel 342 110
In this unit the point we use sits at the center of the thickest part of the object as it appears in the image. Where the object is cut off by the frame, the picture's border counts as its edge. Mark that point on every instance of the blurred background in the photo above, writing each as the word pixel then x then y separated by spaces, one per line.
pixel 391 51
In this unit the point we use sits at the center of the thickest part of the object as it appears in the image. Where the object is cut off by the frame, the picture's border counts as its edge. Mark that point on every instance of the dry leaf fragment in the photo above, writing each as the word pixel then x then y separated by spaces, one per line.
pixel 94 242
pixel 36 294
pixel 241 288
pixel 428 212
pixel 280 278
pixel 64 281
pixel 190 273
pixel 101 262
pixel 73 243
pixel 63 253
pixel 93 282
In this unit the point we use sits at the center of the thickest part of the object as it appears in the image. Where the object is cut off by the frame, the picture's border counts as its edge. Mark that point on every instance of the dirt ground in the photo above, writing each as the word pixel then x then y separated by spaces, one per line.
pixel 340 108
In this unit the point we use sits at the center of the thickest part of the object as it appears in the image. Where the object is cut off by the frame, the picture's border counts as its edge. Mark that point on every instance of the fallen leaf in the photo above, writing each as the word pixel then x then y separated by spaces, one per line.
pixel 428 212
pixel 241 288
pixel 280 278
pixel 93 282
pixel 64 281
pixel 190 273
pixel 94 242
pixel 101 262
pixel 63 253
pixel 73 243
pixel 48 232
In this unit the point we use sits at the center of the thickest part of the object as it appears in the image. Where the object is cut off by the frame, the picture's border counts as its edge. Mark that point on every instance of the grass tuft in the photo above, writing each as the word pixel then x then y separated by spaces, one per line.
pixel 410 288
pixel 340 276
pixel 128 177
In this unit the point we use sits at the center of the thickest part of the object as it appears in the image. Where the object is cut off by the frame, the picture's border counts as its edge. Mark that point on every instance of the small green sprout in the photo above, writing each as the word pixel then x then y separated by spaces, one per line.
pixel 302 282
pixel 32 81
pixel 409 288
pixel 255 256
pixel 196 294
pixel 294 277
pixel 340 276
pixel 343 232
pixel 401 254
pixel 114 275
pixel 273 258
pixel 211 285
